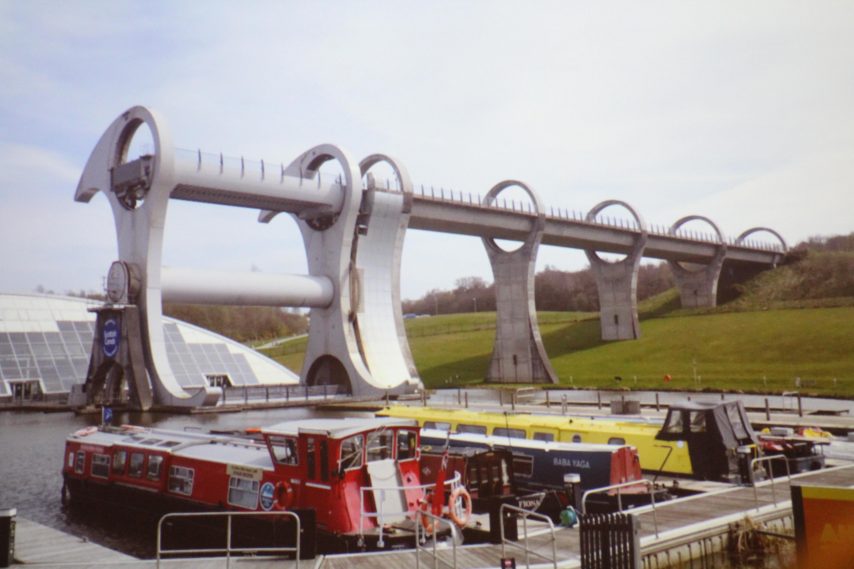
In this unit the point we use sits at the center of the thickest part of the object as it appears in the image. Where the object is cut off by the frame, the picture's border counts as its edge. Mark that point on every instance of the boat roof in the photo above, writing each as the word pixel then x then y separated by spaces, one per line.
pixel 520 420
pixel 163 440
pixel 336 428
pixel 518 443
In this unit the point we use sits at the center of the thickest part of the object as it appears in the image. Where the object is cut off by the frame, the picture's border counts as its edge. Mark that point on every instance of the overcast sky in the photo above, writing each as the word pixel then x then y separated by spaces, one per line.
pixel 742 112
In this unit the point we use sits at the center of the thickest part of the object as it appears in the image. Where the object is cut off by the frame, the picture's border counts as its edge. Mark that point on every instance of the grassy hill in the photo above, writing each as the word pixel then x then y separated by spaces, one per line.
pixel 749 351
pixel 796 321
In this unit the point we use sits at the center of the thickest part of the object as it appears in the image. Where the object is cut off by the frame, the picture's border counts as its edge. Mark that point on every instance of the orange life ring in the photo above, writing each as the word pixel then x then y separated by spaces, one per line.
pixel 284 496
pixel 459 515
pixel 86 431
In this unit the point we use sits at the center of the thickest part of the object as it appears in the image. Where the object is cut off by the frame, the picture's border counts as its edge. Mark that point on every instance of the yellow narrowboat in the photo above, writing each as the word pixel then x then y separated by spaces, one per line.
pixel 699 440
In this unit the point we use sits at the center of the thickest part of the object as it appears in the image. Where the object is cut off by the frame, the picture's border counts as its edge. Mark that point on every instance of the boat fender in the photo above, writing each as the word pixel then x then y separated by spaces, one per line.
pixel 284 496
pixel 427 523
pixel 86 431
pixel 459 513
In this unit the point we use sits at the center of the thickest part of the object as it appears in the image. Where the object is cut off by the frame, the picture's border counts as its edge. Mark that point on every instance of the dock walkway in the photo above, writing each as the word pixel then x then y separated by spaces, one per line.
pixel 679 523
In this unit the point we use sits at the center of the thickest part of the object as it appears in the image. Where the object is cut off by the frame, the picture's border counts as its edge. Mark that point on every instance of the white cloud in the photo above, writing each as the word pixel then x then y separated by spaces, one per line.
pixel 725 109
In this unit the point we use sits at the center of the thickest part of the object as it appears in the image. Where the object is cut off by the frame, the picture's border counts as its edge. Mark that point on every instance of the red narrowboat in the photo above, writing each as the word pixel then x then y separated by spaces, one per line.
pixel 360 477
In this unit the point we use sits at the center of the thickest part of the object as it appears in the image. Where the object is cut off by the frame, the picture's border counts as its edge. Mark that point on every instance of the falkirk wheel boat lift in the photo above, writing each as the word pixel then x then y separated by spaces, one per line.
pixel 353 234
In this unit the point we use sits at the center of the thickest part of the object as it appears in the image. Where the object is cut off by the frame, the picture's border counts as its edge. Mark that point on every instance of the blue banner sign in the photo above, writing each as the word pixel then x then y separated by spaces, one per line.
pixel 111 337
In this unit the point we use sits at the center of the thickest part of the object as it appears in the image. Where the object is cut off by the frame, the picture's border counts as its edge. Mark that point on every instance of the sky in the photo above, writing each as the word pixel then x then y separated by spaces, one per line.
pixel 741 112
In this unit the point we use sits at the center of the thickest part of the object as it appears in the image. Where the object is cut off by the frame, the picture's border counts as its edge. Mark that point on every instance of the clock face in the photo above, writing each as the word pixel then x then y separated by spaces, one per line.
pixel 117 282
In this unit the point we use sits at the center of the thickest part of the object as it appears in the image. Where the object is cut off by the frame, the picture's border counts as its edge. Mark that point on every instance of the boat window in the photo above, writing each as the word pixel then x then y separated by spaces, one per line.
pixel 439 426
pixel 548 437
pixel 181 480
pixel 474 429
pixel 616 441
pixel 379 445
pixel 505 477
pixel 154 464
pixel 81 462
pixel 168 444
pixel 407 443
pixel 284 450
pixel 698 421
pixel 136 461
pixel 119 459
pixel 150 442
pixel 472 475
pixel 311 460
pixel 71 459
pixel 351 452
pixel 243 492
pixel 673 425
pixel 576 438
pixel 512 433
pixel 100 465
pixel 324 459
pixel 523 465
pixel 735 420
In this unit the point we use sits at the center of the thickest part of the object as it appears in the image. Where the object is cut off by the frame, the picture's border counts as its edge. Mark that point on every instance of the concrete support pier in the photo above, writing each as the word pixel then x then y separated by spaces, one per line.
pixel 698 284
pixel 617 282
pixel 358 341
pixel 518 355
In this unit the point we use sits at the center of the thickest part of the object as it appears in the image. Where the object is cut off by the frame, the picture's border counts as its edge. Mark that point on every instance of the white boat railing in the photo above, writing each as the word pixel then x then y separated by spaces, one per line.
pixel 421 535
pixel 228 549
pixel 523 545
pixel 618 487
pixel 381 491
pixel 768 459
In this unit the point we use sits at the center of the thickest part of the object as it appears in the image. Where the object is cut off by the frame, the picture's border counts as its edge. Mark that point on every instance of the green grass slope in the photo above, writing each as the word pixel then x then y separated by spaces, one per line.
pixel 796 321
pixel 749 351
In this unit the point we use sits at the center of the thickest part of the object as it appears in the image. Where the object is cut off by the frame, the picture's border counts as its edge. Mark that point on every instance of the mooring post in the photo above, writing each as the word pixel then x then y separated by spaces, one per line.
pixel 599 399
pixel 459 396
pixel 767 410
pixel 386 398
pixel 513 400
pixel 466 394
pixel 657 405
pixel 800 407
pixel 267 394
pixel 547 398
pixel 423 397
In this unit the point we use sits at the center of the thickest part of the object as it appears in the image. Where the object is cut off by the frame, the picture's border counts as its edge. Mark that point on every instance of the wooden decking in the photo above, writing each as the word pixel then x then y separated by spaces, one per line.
pixel 677 522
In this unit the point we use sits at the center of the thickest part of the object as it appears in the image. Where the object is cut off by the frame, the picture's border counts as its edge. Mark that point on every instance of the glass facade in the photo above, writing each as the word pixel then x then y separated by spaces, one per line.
pixel 45 342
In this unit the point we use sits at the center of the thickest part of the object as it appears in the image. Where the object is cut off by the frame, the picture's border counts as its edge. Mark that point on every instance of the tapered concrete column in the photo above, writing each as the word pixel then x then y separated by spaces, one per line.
pixel 697 283
pixel 518 355
pixel 617 282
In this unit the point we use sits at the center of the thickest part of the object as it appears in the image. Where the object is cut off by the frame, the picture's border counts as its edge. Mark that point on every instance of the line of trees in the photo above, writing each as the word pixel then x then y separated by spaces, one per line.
pixel 553 290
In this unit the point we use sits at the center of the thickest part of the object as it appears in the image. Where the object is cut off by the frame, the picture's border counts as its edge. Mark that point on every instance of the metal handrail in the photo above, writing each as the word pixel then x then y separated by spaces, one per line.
pixel 649 484
pixel 454 482
pixel 228 550
pixel 768 458
pixel 421 534
pixel 525 514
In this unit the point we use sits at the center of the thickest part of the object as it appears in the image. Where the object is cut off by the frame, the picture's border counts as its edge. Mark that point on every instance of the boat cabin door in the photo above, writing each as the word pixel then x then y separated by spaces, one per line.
pixel 384 477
